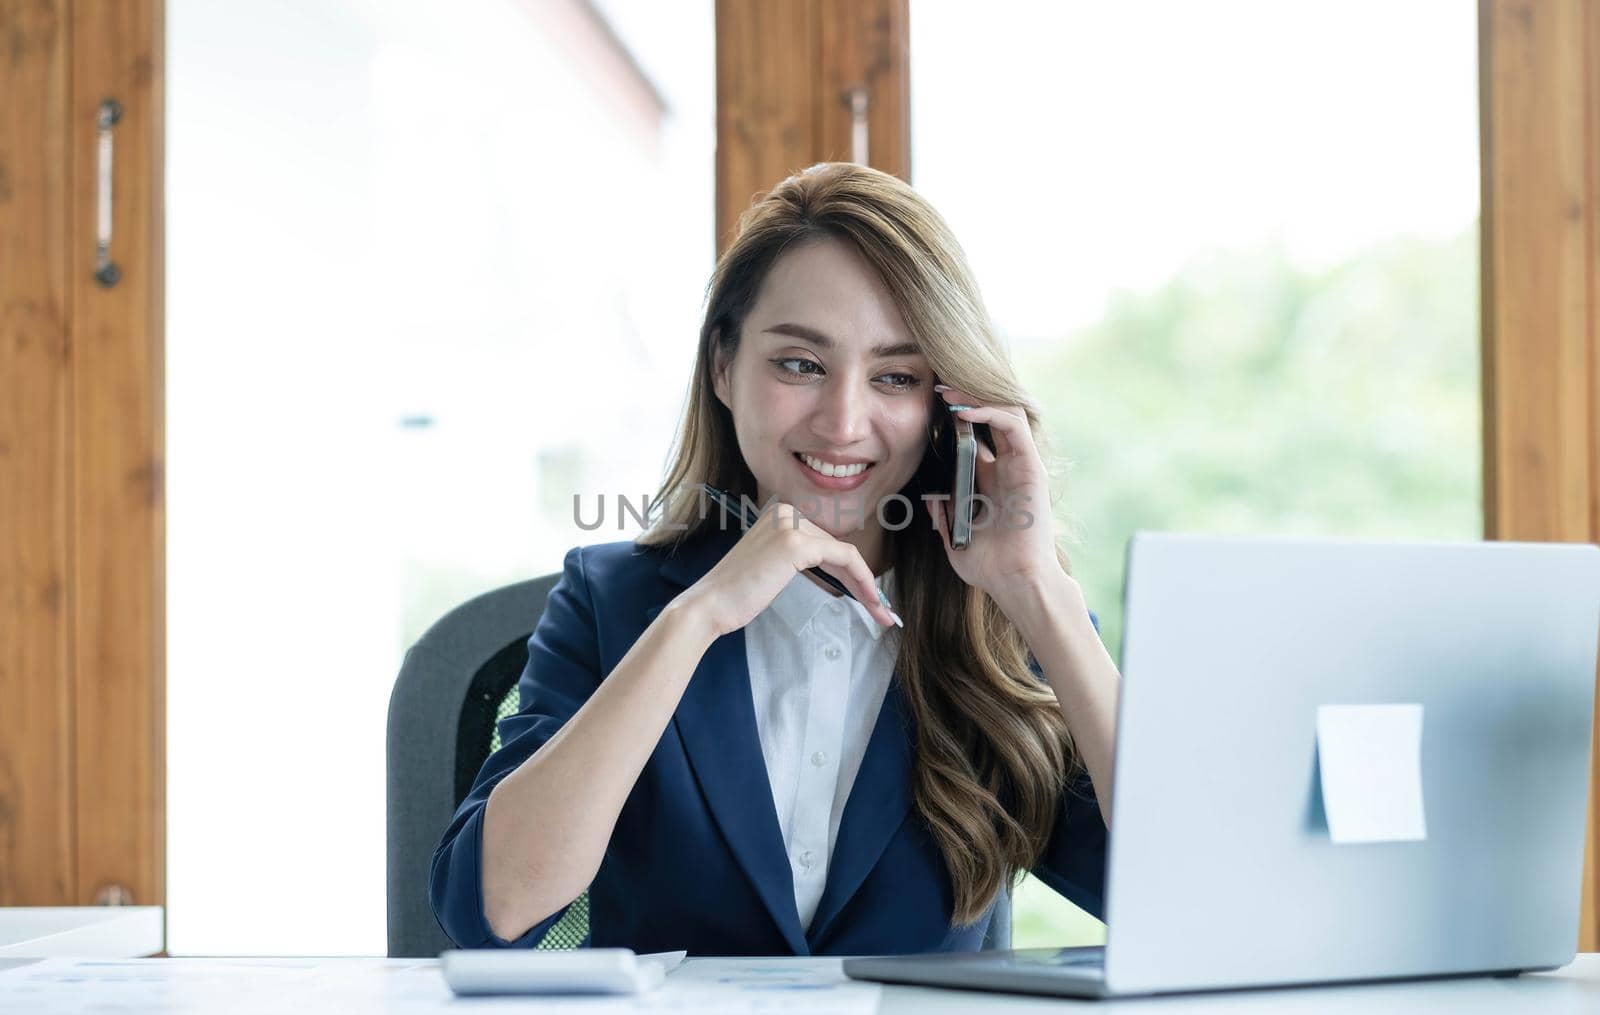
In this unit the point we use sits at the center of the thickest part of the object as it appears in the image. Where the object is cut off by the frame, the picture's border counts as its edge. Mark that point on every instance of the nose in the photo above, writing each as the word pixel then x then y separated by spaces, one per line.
pixel 842 414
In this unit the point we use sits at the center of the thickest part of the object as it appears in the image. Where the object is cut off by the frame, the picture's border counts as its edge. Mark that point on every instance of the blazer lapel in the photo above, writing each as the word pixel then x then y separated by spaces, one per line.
pixel 716 721
pixel 878 803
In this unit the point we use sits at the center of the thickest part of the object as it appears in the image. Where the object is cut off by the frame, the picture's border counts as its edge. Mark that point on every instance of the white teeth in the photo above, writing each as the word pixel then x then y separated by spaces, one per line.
pixel 818 465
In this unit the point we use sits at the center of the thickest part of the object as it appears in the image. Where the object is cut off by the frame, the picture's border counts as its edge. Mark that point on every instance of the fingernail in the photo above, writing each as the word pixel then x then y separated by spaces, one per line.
pixel 941 387
pixel 956 407
pixel 883 599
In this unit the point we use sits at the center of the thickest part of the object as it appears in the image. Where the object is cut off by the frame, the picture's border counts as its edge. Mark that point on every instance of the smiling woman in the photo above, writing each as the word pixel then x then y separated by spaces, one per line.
pixel 828 782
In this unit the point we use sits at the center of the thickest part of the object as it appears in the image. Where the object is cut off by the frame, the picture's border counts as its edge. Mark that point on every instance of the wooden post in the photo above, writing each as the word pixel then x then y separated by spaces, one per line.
pixel 37 862
pixel 786 72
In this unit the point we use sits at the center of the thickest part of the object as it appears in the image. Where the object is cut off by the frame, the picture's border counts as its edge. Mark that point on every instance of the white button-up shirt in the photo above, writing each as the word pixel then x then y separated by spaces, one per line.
pixel 819 668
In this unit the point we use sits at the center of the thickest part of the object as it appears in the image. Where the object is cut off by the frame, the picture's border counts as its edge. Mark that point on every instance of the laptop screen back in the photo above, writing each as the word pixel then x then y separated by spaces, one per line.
pixel 1222 870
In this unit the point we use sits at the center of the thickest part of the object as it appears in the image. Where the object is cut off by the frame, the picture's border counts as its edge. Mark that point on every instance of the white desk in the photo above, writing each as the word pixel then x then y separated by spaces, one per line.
pixel 413 987
pixel 114 932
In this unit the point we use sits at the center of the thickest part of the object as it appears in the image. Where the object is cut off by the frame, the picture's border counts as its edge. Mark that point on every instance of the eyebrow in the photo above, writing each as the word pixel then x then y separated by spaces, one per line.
pixel 822 341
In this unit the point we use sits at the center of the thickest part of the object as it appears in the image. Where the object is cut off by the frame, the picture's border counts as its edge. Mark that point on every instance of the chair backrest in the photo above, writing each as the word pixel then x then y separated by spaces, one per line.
pixel 453 685
pixel 441 720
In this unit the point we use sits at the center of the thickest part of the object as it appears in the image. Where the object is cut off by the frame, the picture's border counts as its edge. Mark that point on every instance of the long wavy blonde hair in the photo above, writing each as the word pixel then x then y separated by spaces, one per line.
pixel 992 749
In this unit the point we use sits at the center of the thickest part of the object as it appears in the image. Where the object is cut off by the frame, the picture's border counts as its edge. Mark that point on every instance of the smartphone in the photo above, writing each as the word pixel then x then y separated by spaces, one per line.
pixel 961 492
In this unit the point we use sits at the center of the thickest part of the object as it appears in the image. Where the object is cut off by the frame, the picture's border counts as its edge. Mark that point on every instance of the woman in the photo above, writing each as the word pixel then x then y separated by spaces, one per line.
pixel 728 756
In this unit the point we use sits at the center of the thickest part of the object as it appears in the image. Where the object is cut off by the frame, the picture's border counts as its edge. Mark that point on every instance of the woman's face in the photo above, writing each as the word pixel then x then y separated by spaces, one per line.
pixel 827 376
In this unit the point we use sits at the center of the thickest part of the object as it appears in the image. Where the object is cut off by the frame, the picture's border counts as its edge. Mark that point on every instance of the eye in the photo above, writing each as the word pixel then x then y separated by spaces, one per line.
pixel 784 367
pixel 902 382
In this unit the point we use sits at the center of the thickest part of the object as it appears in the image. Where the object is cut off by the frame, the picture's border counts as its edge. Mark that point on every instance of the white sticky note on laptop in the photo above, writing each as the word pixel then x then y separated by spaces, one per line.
pixel 1370 757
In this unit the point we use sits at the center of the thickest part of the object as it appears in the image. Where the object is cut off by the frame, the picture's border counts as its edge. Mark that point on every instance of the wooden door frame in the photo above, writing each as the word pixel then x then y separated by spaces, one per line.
pixel 118 457
pixel 83 618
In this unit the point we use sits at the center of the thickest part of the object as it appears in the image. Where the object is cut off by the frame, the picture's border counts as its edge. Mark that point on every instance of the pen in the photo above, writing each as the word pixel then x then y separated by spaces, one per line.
pixel 750 516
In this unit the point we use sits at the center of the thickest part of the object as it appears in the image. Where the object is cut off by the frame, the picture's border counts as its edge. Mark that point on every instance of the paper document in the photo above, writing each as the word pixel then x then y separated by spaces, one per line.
pixel 1370 757
pixel 668 960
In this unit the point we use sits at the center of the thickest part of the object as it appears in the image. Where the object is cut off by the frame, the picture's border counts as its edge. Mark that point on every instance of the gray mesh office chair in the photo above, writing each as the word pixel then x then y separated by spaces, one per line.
pixel 455 684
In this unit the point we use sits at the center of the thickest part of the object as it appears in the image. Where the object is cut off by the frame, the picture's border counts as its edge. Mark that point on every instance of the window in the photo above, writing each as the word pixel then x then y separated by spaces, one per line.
pixel 432 268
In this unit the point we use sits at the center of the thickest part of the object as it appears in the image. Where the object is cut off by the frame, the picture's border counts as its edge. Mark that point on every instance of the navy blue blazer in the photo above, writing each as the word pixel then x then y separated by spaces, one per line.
pixel 696 860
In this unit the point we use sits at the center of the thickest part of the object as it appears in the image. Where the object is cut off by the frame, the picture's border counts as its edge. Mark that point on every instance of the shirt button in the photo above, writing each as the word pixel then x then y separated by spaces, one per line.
pixel 836 606
pixel 805 859
pixel 832 652
pixel 819 759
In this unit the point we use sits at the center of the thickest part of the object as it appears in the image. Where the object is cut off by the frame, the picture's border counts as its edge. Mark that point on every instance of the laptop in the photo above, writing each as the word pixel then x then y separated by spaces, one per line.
pixel 1223 870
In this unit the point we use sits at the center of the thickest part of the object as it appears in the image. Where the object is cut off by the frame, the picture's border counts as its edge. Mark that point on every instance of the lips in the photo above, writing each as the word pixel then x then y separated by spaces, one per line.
pixel 831 469
pixel 835 482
